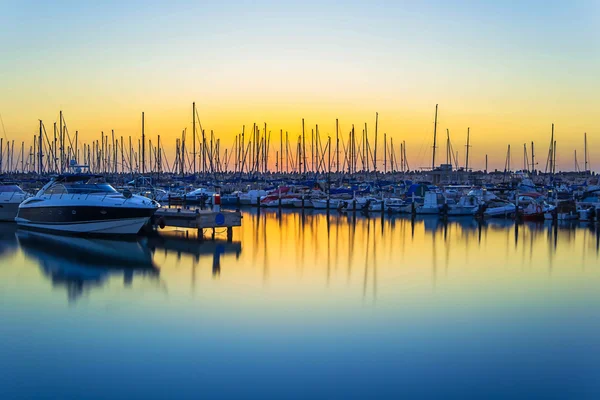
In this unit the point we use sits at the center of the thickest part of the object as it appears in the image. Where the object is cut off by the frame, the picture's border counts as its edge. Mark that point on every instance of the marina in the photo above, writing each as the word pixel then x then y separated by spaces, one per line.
pixel 299 200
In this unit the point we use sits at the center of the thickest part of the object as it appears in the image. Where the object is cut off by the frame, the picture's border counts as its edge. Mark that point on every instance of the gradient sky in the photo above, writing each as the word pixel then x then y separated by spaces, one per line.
pixel 507 70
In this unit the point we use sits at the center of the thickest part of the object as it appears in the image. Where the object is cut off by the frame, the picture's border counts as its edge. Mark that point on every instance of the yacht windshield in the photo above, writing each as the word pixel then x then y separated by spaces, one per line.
pixel 87 188
pixel 91 186
pixel 10 189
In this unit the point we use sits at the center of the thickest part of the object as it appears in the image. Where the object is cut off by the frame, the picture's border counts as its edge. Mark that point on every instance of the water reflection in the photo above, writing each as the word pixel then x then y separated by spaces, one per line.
pixel 179 243
pixel 369 301
pixel 360 244
pixel 8 241
pixel 80 264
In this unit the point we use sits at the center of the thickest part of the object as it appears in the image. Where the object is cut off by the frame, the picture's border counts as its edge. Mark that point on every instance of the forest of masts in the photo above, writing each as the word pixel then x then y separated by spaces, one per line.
pixel 53 152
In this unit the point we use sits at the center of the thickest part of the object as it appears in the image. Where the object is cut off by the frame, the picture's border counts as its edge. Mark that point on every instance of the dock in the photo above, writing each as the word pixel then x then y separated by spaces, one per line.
pixel 198 219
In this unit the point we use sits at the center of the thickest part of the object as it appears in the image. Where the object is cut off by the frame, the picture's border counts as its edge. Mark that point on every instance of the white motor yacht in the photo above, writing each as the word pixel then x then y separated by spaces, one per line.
pixel 84 204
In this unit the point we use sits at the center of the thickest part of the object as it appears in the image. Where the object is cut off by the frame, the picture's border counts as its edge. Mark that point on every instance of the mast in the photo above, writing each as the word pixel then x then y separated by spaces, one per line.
pixel 585 153
pixel 194 137
pixel 554 156
pixel 434 138
pixel 122 156
pixel 337 146
pixel 62 143
pixel 448 156
pixel 303 148
pixel 54 150
pixel 143 147
pixel 41 154
pixel 312 151
pixel 468 146
pixel 130 156
pixel 550 160
pixel 375 148
pixel 384 151
pixel 532 158
pixel 114 152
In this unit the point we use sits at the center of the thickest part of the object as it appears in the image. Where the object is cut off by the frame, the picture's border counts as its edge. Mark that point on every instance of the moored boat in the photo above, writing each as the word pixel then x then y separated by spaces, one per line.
pixel 11 196
pixel 83 204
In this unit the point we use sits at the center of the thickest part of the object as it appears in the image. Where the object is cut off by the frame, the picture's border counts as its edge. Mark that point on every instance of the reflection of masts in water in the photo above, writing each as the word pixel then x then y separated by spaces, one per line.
pixel 256 226
pixel 375 267
pixel 337 239
pixel 597 240
pixel 302 241
pixel 433 261
pixel 265 255
pixel 366 260
pixel 328 249
pixel 446 246
pixel 351 242
pixel 530 247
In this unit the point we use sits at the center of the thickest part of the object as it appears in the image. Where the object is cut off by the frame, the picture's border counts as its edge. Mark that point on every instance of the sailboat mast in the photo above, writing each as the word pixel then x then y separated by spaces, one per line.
pixel 434 137
pixel 532 158
pixel 194 137
pixel 375 148
pixel 143 147
pixel 468 146
pixel 585 153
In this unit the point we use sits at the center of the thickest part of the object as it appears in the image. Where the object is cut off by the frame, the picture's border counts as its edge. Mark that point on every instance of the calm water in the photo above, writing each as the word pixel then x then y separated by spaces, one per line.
pixel 304 307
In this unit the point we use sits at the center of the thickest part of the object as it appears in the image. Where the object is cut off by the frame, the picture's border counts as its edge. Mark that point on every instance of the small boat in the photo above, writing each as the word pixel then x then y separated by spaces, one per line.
pixel 322 203
pixel 196 196
pixel 499 209
pixel 83 204
pixel 252 197
pixel 376 205
pixel 467 205
pixel 533 212
pixel 308 203
pixel 395 205
pixel 11 196
pixel 230 199
pixel 432 204
pixel 587 213
pixel 565 210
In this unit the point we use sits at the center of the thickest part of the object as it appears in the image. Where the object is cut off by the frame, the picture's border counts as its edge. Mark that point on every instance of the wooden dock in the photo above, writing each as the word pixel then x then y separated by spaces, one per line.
pixel 198 219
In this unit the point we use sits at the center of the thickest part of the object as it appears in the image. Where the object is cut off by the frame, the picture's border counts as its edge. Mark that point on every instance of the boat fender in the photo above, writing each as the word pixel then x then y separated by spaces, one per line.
pixel 538 208
pixel 161 223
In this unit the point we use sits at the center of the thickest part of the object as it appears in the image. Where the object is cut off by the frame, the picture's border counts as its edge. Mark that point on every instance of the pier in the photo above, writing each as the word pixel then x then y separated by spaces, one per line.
pixel 198 219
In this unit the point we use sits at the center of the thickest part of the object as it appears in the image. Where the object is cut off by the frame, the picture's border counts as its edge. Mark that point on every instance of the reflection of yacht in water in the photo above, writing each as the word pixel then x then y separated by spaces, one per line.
pixel 8 240
pixel 82 263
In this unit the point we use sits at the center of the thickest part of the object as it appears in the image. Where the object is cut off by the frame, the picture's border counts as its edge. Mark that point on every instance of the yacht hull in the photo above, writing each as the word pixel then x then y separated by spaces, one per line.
pixel 8 211
pixel 128 226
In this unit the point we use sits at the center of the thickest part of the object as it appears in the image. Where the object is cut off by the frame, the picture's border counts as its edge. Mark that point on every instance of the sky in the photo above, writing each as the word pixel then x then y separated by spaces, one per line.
pixel 506 70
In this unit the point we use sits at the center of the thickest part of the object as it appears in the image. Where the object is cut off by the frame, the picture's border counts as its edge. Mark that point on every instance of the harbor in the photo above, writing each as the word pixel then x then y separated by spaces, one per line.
pixel 299 200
